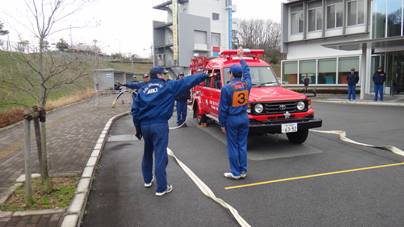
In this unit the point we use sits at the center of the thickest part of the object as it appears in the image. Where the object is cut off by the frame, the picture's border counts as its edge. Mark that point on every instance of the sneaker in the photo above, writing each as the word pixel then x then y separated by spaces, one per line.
pixel 243 175
pixel 168 190
pixel 148 185
pixel 231 176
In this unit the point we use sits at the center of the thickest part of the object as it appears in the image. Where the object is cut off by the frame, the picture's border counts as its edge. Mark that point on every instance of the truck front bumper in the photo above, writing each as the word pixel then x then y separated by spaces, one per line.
pixel 276 126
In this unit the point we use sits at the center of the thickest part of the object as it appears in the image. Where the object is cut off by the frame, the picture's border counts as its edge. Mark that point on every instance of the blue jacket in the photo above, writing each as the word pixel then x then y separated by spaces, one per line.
pixel 229 100
pixel 155 100
pixel 378 78
pixel 353 79
pixel 135 86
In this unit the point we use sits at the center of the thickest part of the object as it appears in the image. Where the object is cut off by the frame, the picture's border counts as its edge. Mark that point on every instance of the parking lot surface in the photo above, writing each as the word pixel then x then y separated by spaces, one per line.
pixel 324 182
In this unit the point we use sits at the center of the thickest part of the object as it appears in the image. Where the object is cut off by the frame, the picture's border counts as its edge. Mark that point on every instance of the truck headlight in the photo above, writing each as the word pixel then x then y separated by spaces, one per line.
pixel 301 105
pixel 258 108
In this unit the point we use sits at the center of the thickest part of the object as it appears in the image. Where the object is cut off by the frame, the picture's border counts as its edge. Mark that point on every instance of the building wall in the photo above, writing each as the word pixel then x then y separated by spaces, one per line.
pixel 315 50
pixel 305 50
pixel 205 8
pixel 188 24
pixel 192 15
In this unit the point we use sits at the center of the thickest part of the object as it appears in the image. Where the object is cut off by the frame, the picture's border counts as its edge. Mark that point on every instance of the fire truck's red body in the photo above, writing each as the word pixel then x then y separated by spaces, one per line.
pixel 272 108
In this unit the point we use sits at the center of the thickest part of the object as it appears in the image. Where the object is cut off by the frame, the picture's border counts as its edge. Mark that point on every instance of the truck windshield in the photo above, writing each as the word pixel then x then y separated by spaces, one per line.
pixel 260 76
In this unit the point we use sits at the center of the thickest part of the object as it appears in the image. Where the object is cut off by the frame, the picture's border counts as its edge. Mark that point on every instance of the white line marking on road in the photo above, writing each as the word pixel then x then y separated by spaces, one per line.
pixel 344 138
pixel 207 191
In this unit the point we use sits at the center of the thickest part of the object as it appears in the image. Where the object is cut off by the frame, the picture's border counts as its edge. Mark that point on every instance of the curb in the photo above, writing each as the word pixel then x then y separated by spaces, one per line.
pixel 367 103
pixel 75 212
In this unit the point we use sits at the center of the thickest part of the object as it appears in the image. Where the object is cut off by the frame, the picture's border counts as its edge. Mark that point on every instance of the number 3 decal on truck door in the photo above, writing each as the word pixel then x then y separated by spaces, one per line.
pixel 240 98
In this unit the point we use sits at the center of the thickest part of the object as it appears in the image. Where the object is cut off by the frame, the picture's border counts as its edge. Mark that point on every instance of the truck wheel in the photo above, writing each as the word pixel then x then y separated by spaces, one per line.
pixel 201 119
pixel 298 137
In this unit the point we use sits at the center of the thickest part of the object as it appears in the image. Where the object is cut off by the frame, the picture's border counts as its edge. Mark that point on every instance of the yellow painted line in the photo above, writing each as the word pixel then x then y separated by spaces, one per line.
pixel 313 176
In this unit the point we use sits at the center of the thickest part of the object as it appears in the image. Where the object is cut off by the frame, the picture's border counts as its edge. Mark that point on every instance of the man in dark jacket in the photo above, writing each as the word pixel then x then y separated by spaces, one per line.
pixel 181 104
pixel 353 79
pixel 153 108
pixel 378 78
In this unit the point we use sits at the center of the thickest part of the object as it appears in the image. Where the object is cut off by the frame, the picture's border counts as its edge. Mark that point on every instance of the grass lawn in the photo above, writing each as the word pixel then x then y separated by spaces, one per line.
pixel 60 197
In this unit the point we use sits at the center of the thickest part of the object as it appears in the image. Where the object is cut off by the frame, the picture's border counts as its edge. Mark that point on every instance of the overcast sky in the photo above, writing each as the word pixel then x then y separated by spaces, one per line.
pixel 119 25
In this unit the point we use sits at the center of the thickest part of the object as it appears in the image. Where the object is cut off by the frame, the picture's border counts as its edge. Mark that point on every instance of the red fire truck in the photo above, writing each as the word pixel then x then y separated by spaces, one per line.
pixel 272 108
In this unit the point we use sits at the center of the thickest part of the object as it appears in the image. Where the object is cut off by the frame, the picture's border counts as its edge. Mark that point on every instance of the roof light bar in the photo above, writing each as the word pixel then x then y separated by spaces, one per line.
pixel 246 52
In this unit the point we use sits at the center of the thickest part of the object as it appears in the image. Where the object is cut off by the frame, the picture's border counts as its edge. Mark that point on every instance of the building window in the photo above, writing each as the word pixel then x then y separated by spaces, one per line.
pixel 215 16
pixel 315 16
pixel 215 39
pixel 327 71
pixel 307 69
pixel 394 17
pixel 335 12
pixel 344 68
pixel 200 37
pixel 289 72
pixel 355 12
pixel 379 19
pixel 296 19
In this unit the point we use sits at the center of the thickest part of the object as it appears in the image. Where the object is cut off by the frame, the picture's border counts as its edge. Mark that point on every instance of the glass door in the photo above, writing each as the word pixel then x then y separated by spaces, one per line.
pixel 397 72
pixel 377 61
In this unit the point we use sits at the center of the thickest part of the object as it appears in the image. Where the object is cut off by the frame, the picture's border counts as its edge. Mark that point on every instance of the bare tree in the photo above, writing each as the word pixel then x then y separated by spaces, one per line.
pixel 2 31
pixel 261 34
pixel 44 71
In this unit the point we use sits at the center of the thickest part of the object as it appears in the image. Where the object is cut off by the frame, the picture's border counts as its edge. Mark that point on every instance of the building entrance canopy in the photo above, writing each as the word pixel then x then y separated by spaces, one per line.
pixel 372 43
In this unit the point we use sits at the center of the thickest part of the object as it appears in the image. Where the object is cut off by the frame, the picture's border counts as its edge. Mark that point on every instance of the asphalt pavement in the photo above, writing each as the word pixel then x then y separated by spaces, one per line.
pixel 368 194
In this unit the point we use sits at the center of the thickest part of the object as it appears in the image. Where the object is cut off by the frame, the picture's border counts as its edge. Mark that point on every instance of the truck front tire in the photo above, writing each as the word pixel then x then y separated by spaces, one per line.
pixel 298 137
pixel 201 119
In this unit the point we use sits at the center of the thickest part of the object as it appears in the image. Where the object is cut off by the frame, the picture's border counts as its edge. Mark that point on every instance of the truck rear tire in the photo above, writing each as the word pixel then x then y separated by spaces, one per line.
pixel 298 137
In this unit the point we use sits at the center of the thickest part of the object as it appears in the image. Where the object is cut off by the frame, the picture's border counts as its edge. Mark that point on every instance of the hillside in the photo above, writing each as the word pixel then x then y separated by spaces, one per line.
pixel 10 67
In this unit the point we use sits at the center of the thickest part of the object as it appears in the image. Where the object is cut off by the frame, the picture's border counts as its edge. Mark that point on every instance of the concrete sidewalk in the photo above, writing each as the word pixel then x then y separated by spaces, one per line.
pixel 397 100
pixel 72 133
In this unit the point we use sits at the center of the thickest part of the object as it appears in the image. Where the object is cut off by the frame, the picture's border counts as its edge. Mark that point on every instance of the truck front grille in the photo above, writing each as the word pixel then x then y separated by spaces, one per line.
pixel 281 107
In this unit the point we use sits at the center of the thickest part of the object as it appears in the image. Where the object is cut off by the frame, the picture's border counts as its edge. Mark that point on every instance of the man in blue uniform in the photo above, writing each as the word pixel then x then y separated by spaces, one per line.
pixel 135 86
pixel 233 118
pixel 153 108
pixel 181 104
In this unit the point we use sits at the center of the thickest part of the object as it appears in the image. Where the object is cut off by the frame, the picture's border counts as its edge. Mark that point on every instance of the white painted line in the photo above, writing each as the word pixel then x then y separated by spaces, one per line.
pixel 70 220
pixel 207 191
pixel 88 172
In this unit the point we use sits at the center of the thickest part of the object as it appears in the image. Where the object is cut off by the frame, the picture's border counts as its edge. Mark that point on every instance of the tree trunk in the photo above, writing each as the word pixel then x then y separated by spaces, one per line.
pixel 46 183
pixel 44 168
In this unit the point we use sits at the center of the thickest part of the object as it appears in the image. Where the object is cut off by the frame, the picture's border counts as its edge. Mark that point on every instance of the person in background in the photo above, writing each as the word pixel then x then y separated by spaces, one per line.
pixel 306 82
pixel 379 78
pixel 181 104
pixel 352 79
pixel 146 78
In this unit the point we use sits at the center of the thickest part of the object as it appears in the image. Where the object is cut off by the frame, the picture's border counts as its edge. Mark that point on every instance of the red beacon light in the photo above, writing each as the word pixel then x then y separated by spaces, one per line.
pixel 246 52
